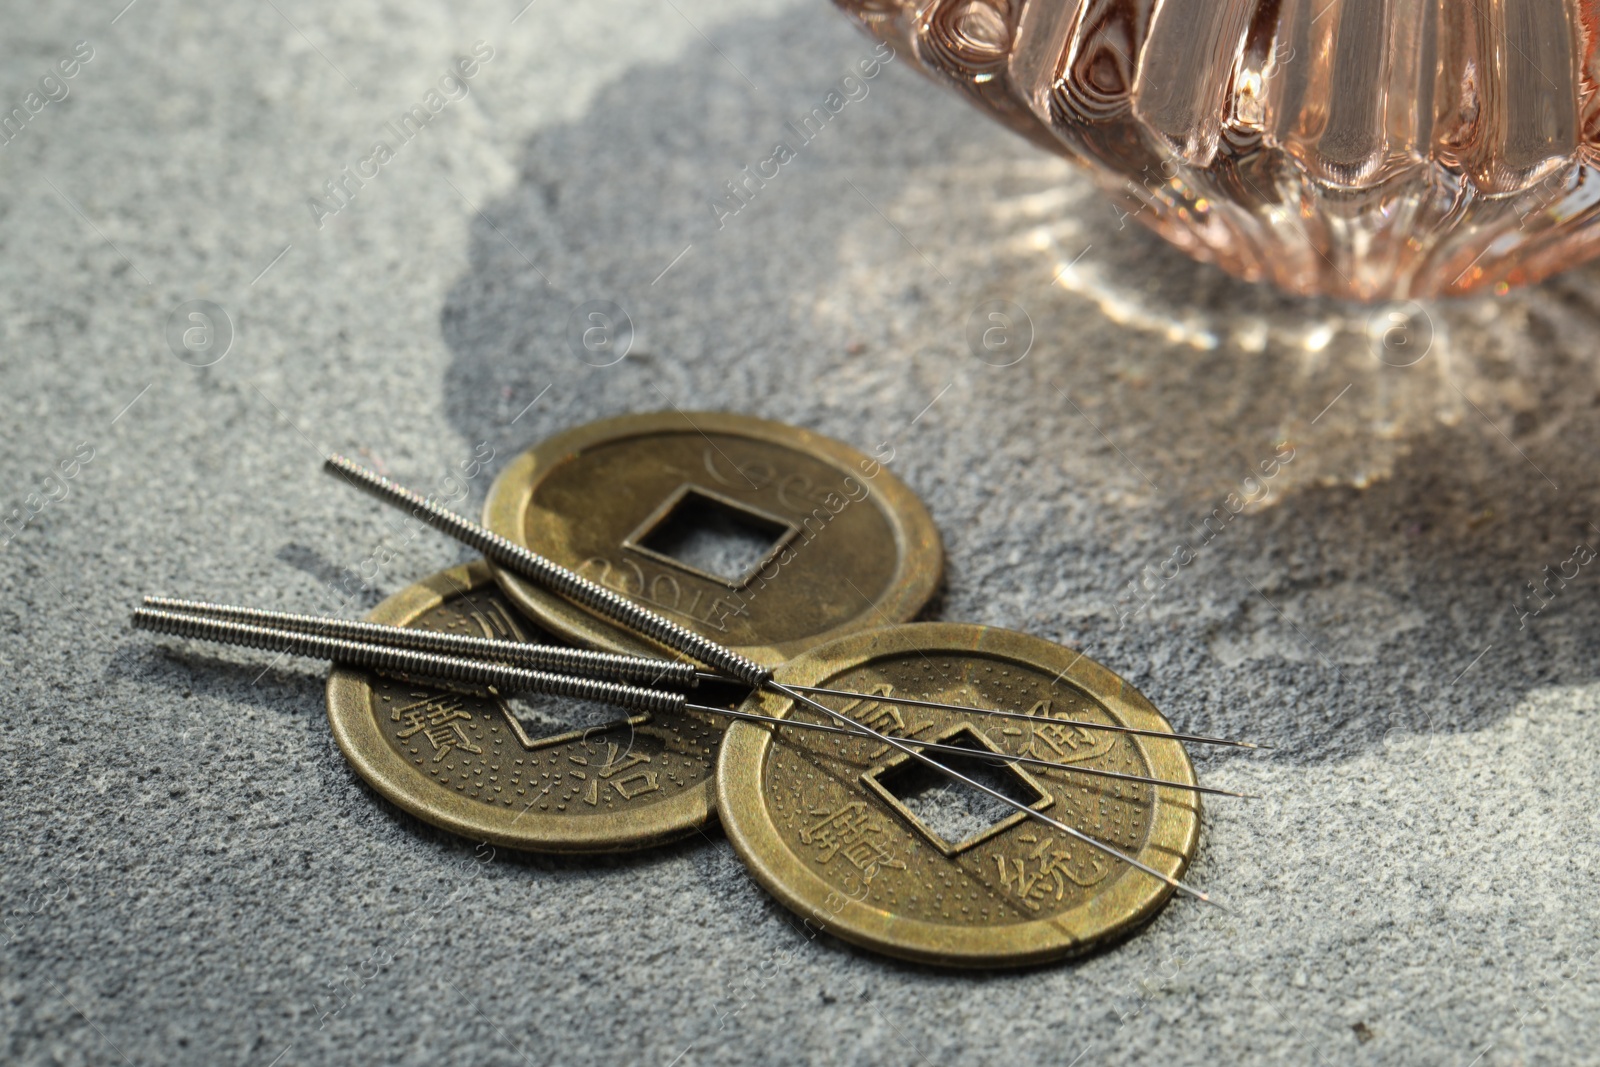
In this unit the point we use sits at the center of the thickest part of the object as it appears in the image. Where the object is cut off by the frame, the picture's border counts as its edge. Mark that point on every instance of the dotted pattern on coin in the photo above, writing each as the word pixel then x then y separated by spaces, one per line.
pixel 843 544
pixel 466 762
pixel 824 822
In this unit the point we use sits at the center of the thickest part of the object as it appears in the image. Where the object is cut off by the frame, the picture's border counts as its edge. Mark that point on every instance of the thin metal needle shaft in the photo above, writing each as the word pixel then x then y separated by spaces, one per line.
pixel 574 587
pixel 981 754
pixel 934 764
pixel 1201 739
pixel 672 674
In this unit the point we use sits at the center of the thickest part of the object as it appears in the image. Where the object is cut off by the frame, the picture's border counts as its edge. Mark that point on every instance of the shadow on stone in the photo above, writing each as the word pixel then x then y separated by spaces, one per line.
pixel 1340 609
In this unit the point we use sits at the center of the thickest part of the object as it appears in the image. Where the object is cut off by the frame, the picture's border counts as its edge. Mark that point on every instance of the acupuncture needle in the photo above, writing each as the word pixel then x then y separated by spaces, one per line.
pixel 603 601
pixel 511 678
pixel 675 674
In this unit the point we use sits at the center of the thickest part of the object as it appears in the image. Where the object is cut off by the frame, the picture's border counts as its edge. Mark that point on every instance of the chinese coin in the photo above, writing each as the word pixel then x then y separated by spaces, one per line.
pixel 766 538
pixel 863 841
pixel 526 774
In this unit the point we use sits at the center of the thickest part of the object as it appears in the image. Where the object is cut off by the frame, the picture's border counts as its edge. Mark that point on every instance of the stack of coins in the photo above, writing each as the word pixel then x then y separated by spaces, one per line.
pixel 808 558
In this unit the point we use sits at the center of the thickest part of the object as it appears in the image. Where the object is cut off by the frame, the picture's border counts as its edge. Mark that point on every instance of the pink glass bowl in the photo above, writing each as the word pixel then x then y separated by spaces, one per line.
pixel 1361 148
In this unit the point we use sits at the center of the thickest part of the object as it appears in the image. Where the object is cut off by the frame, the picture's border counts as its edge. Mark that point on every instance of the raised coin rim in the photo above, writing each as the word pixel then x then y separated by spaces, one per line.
pixel 363 744
pixel 1129 903
pixel 921 553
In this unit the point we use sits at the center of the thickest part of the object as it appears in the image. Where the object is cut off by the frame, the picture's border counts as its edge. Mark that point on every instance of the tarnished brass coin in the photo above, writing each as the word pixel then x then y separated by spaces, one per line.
pixel 468 764
pixel 866 843
pixel 766 538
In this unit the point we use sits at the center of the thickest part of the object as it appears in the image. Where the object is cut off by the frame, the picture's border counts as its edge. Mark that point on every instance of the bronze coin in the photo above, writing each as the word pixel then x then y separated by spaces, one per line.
pixel 865 842
pixel 466 762
pixel 763 537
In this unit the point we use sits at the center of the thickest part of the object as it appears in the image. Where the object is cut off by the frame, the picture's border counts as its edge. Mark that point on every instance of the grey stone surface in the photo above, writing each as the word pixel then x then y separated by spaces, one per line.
pixel 191 874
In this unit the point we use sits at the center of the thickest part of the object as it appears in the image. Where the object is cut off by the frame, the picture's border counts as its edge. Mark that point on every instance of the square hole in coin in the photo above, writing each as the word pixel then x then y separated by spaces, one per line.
pixel 709 535
pixel 952 814
pixel 546 719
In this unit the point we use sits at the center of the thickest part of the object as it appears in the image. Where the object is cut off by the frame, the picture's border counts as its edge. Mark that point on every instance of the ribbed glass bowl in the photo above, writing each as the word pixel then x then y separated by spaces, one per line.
pixel 1360 148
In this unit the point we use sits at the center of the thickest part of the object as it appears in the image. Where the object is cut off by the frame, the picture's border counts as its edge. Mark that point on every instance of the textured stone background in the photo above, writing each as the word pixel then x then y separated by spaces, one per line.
pixel 192 874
